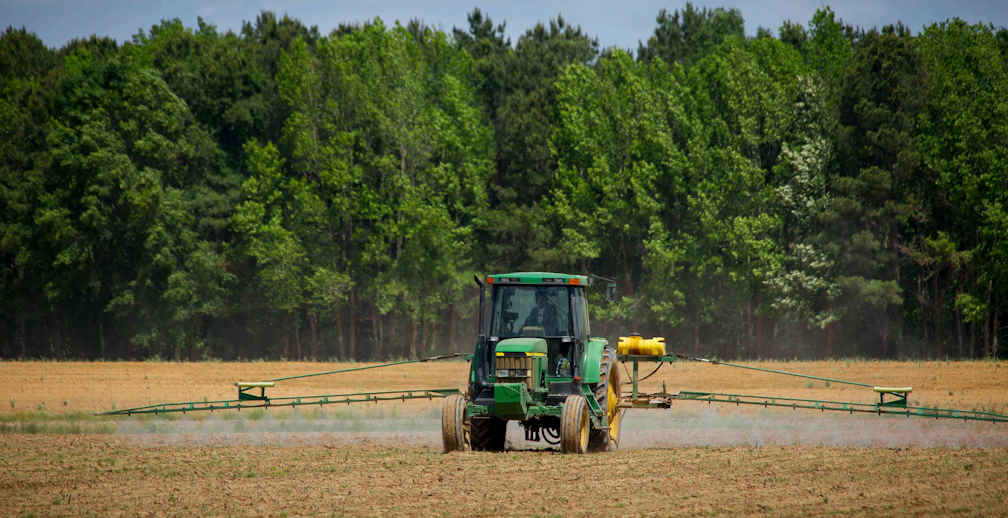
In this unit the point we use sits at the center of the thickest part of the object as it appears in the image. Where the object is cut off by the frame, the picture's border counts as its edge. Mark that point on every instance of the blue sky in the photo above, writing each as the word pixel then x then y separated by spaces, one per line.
pixel 620 24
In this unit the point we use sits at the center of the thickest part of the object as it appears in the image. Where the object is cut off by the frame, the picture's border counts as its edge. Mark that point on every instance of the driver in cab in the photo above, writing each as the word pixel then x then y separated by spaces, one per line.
pixel 544 314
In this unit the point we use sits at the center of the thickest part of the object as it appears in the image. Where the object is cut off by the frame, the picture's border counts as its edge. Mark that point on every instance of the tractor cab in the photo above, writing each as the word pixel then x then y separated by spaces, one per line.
pixel 552 312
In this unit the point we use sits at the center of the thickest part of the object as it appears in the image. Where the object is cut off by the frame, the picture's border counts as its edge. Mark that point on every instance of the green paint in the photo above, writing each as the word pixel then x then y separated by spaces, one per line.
pixel 292 401
pixel 511 400
pixel 522 345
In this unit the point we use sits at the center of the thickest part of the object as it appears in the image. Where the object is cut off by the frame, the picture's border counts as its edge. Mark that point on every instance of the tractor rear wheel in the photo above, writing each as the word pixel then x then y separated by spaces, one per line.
pixel 454 426
pixel 607 392
pixel 574 425
pixel 487 433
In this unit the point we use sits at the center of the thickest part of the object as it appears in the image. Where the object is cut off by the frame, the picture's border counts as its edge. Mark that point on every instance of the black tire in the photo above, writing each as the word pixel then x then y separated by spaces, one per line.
pixel 609 378
pixel 487 433
pixel 574 425
pixel 454 428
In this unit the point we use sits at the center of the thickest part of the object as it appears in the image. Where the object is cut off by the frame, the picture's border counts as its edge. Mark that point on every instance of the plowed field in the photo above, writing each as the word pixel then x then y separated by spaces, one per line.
pixel 385 460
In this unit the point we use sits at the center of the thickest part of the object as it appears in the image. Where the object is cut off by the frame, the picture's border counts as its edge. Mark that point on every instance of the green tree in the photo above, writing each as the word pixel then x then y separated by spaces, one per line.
pixel 962 138
pixel 617 142
pixel 25 97
pixel 743 92
pixel 522 127
pixel 687 36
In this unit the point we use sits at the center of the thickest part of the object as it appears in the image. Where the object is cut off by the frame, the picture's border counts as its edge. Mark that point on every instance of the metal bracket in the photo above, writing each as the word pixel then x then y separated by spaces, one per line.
pixel 899 396
pixel 245 386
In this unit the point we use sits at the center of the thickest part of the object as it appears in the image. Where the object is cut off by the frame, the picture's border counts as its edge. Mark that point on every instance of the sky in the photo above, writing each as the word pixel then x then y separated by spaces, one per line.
pixel 615 23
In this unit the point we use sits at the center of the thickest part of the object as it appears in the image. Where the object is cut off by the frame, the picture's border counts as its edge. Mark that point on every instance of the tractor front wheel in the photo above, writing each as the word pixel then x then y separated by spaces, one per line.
pixel 574 425
pixel 454 425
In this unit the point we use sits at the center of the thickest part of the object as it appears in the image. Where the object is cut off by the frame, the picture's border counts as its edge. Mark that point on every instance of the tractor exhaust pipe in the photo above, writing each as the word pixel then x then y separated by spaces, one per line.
pixel 482 357
pixel 482 297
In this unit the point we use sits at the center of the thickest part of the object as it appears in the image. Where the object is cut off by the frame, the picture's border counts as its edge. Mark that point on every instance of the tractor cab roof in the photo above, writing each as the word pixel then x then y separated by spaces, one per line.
pixel 538 278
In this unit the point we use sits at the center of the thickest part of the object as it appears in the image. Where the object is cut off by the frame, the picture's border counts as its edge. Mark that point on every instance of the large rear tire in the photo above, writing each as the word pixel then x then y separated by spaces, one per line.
pixel 487 433
pixel 607 392
pixel 454 427
pixel 574 425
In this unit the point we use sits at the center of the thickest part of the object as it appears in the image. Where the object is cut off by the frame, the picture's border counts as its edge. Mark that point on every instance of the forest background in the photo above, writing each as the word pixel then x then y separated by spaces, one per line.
pixel 823 191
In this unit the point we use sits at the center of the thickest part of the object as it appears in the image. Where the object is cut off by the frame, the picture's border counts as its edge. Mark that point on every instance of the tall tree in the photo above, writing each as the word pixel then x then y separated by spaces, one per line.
pixel 962 142
pixel 522 128
pixel 687 36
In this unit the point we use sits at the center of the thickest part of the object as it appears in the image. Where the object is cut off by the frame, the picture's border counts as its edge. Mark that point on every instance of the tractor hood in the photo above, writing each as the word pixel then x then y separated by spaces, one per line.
pixel 526 346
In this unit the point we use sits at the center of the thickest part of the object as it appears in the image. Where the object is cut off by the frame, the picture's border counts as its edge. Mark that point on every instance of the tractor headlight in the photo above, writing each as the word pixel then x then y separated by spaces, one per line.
pixel 512 373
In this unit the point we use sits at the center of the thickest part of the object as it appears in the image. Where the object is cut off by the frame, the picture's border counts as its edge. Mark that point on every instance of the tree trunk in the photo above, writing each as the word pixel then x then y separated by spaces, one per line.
pixel 194 335
pixel 431 335
pixel 352 325
pixel 23 337
pixel 959 333
pixel 696 340
pixel 994 344
pixel 972 340
pixel 452 327
pixel 987 320
pixel 750 327
pixel 829 339
pixel 376 346
pixel 939 338
pixel 101 337
pixel 286 339
pixel 899 321
pixel 313 323
pixel 340 335
pixel 297 334
pixel 427 330
pixel 761 346
pixel 987 337
pixel 885 333
pixel 413 338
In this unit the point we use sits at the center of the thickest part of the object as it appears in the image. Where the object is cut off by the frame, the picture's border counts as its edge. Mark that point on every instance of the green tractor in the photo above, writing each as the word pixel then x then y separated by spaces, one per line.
pixel 536 362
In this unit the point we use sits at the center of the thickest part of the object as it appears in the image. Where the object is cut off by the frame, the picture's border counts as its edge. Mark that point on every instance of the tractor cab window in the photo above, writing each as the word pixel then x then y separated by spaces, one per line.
pixel 582 331
pixel 540 312
pixel 531 311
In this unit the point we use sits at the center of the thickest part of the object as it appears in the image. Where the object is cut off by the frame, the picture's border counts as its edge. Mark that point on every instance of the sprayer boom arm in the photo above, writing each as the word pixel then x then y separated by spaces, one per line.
pixel 892 400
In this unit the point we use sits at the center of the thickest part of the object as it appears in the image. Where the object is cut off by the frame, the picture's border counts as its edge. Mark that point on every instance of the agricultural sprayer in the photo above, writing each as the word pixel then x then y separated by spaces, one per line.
pixel 536 362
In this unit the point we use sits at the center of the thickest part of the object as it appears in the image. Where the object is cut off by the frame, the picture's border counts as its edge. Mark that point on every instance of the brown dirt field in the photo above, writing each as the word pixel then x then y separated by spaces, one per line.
pixel 385 460
pixel 103 386
pixel 93 387
pixel 112 476
pixel 96 387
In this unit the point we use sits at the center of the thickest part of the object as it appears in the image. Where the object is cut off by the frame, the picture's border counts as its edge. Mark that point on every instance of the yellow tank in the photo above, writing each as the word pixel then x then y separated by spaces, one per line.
pixel 635 344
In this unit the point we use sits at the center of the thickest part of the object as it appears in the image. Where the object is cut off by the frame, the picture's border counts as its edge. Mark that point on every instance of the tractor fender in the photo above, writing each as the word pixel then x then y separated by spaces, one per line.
pixel 591 358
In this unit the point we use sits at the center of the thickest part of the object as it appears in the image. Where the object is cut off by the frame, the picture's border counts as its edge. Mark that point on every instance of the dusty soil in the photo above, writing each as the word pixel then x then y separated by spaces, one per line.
pixel 109 475
pixel 385 460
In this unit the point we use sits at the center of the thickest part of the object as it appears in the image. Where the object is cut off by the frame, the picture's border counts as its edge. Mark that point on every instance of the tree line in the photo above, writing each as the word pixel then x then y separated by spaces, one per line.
pixel 823 191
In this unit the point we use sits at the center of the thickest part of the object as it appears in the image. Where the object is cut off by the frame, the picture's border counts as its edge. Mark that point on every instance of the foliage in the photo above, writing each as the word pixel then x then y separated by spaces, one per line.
pixel 279 192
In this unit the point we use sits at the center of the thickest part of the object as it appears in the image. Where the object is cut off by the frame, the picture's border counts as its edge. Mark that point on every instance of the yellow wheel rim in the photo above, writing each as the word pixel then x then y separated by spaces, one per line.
pixel 584 429
pixel 613 410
